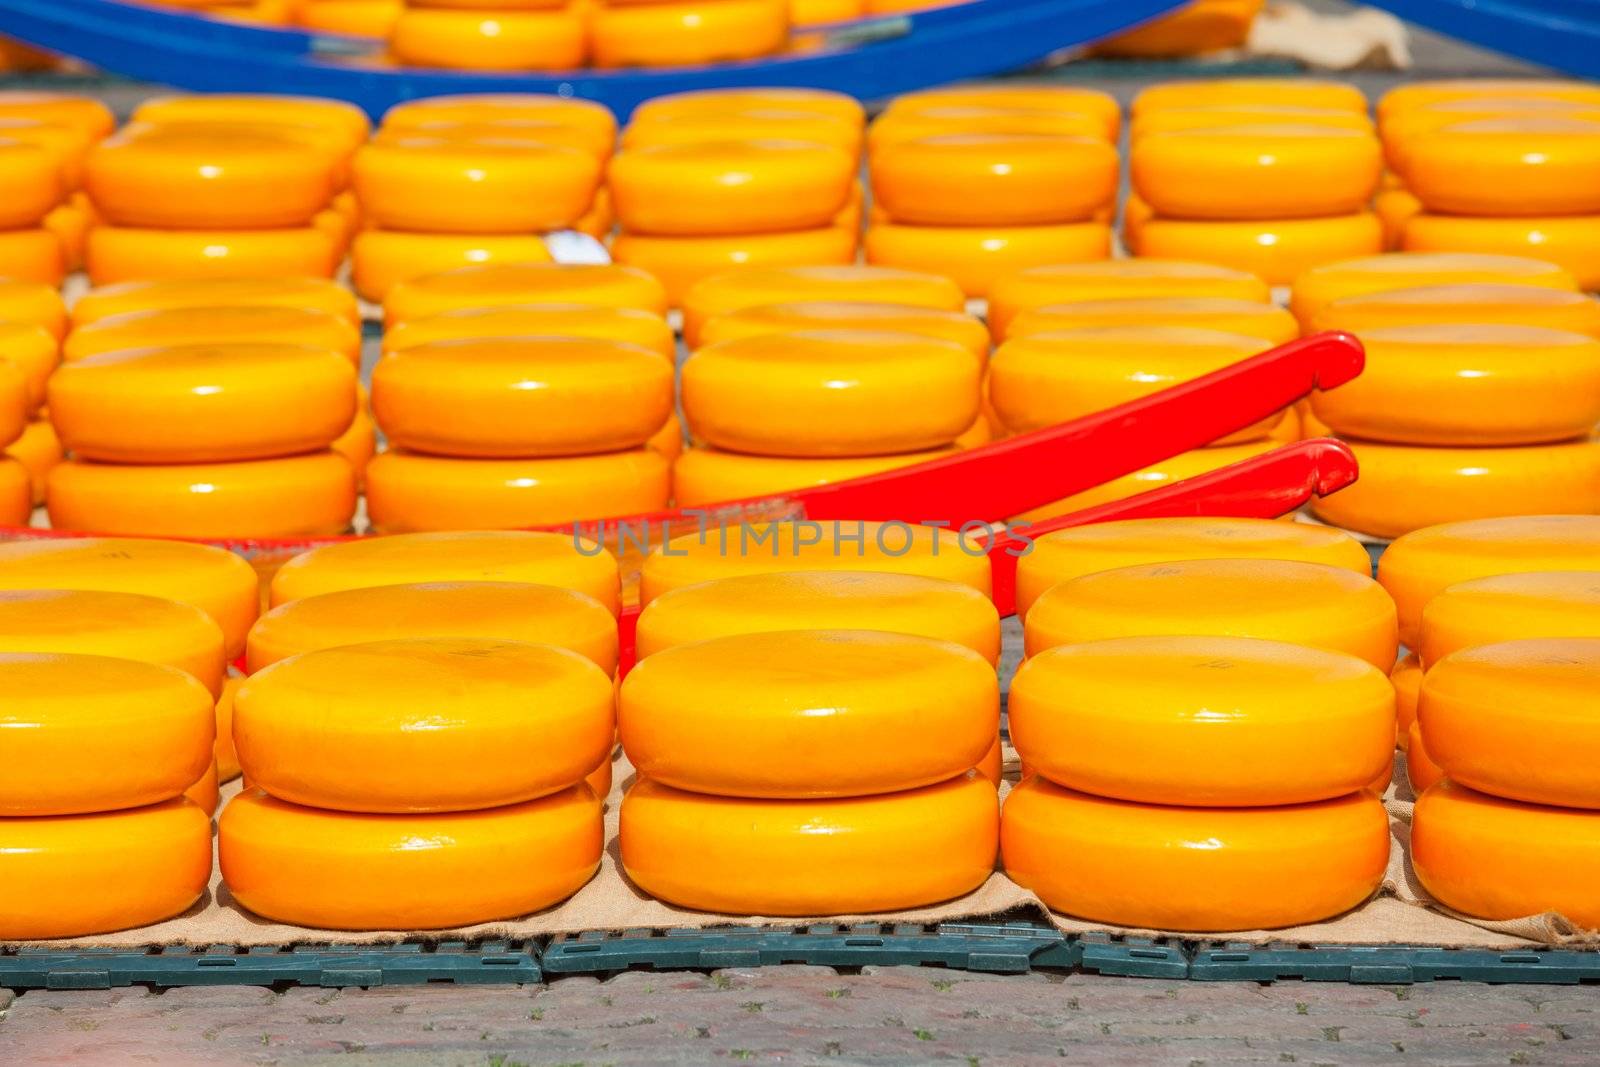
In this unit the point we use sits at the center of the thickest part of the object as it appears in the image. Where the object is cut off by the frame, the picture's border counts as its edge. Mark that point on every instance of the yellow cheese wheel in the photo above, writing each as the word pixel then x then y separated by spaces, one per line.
pixel 226 756
pixel 85 112
pixel 490 185
pixel 976 257
pixel 810 857
pixel 409 492
pixel 118 254
pixel 846 314
pixel 620 324
pixel 1521 165
pixel 1201 869
pixel 1421 772
pixel 1468 384
pixel 1278 251
pixel 1175 469
pixel 333 116
pixel 1250 92
pixel 308 495
pixel 745 124
pixel 595 120
pixel 1395 209
pixel 733 291
pixel 513 282
pixel 1214 116
pixel 202 403
pixel 895 127
pixel 845 545
pixel 109 623
pixel 703 475
pixel 132 733
pixel 994 179
pixel 33 303
pixel 1311 604
pixel 713 102
pixel 459 556
pixel 31 183
pixel 1257 170
pixel 1195 28
pixel 687 34
pixel 338 870
pixel 1105 546
pixel 521 396
pixel 1232 315
pixel 1471 303
pixel 1427 93
pixel 381 260
pixel 1421 565
pixel 1403 130
pixel 1408 270
pixel 16 492
pixel 1113 278
pixel 1061 99
pixel 1407 680
pixel 29 354
pixel 310 294
pixel 218 582
pixel 1499 859
pixel 830 393
pixel 38 450
pixel 1567 241
pixel 1516 719
pixel 774 714
pixel 1505 607
pixel 679 262
pixel 492 40
pixel 1043 379
pixel 729 187
pixel 346 727
pixel 250 324
pixel 77 875
pixel 33 257
pixel 1407 487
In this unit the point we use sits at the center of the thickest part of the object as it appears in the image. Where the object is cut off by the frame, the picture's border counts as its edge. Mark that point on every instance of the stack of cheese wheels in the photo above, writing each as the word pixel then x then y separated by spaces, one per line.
pixel 1198 27
pixel 1266 193
pixel 354 18
pixel 743 806
pixel 979 183
pixel 498 414
pixel 685 33
pixel 717 181
pixel 331 742
pixel 495 35
pixel 114 843
pixel 32 320
pixel 234 187
pixel 1508 166
pixel 1513 828
pixel 1202 783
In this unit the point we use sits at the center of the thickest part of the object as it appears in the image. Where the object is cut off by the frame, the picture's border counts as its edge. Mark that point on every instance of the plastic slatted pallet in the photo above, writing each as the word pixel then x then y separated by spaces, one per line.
pixel 1391 965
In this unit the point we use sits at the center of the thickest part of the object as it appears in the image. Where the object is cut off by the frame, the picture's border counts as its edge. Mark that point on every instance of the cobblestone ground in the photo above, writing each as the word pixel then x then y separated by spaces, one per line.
pixel 810 1015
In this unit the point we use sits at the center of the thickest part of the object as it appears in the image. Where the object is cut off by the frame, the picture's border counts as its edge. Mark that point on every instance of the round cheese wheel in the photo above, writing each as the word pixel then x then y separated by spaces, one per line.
pixel 1421 565
pixel 710 475
pixel 1061 99
pixel 1407 487
pixel 994 179
pixel 1311 604
pixel 1567 241
pixel 495 40
pixel 830 393
pixel 765 548
pixel 745 124
pixel 1522 165
pixel 247 324
pixel 31 182
pixel 1215 722
pixel 1113 278
pixel 77 875
pixel 1047 378
pixel 381 260
pixel 308 495
pixel 38 450
pixel 1408 270
pixel 504 611
pixel 1505 607
pixel 896 127
pixel 1395 209
pixel 206 792
pixel 713 102
pixel 1421 772
pixel 1403 130
pixel 108 623
pixel 1200 869
pixel 1516 719
pixel 560 560
pixel 218 582
pixel 514 283
pixel 847 855
pixel 33 256
pixel 595 120
pixel 33 303
pixel 1215 116
pixel 732 291
pixel 688 34
pixel 202 403
pixel 1427 93
pixel 309 294
pixel 1407 680
pixel 1231 315
pixel 1278 251
pixel 729 187
pixel 521 396
pixel 1258 170
pixel 1105 546
pixel 680 262
pixel 122 254
pixel 809 315
pixel 334 116
pixel 1499 859
pixel 409 492
pixel 768 714
pixel 14 405
pixel 84 112
pixel 490 185
pixel 16 493
pixel 343 727
pixel 358 444
pixel 625 325
pixel 1250 92
pixel 336 870
pixel 225 754
pixel 133 733
pixel 1477 384
pixel 1175 469
pixel 976 257
pixel 1472 303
